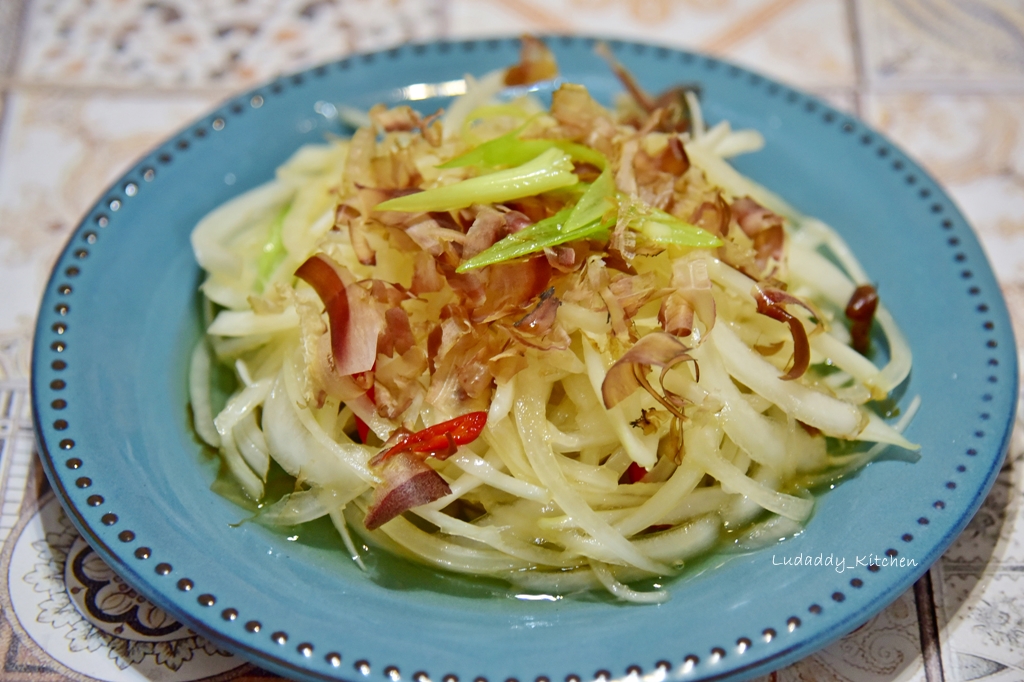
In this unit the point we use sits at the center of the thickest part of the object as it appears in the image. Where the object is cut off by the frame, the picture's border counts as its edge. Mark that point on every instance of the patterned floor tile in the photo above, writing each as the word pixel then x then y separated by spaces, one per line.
pixel 823 57
pixel 974 145
pixel 886 648
pixel 58 153
pixel 59 149
pixel 756 33
pixel 68 615
pixel 979 584
pixel 193 43
pixel 943 41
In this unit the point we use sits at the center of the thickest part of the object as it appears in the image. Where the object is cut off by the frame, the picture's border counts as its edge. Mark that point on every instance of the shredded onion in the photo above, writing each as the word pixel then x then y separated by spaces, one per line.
pixel 437 330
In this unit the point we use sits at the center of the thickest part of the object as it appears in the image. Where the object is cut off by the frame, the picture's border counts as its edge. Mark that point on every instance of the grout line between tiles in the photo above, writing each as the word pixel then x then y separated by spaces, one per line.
pixel 10 84
pixel 949 87
pixel 853 21
pixel 10 445
pixel 13 61
pixel 927 621
pixel 5 105
pixel 20 42
pixel 976 88
pixel 9 55
pixel 5 113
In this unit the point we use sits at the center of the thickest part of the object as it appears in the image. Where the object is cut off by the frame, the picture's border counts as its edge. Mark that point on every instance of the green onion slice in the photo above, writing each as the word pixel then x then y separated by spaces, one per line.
pixel 660 227
pixel 550 170
pixel 508 150
pixel 537 237
pixel 592 215
pixel 273 250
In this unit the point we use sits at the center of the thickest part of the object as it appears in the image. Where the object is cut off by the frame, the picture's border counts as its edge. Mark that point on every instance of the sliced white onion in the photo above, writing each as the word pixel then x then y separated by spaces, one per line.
pixel 211 234
pixel 529 413
pixel 246 322
pixel 483 470
pixel 623 591
pixel 199 394
pixel 830 415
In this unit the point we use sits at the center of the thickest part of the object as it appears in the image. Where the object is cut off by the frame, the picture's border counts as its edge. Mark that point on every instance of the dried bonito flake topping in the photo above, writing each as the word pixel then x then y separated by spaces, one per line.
pixel 562 346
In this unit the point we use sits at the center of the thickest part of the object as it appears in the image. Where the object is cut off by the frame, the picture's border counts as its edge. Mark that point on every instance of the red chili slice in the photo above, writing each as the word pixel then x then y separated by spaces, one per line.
pixel 634 473
pixel 362 428
pixel 439 440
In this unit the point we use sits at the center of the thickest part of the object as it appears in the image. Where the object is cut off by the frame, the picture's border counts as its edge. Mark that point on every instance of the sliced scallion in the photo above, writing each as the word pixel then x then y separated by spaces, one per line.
pixel 595 202
pixel 508 150
pixel 548 171
pixel 537 237
pixel 660 227
pixel 273 251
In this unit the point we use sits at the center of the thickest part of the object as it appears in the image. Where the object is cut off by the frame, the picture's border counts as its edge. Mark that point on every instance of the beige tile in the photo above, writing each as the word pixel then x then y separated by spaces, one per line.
pixel 194 43
pixel 806 43
pixel 59 152
pixel 479 18
pixel 943 41
pixel 662 21
pixel 842 99
pixel 960 138
pixel 756 33
pixel 974 145
pixel 1013 292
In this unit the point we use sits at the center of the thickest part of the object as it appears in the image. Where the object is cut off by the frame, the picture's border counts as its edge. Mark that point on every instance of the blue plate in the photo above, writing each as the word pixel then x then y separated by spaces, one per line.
pixel 119 318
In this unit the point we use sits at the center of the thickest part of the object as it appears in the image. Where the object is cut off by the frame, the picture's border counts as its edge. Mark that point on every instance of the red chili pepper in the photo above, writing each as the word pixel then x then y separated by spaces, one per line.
pixel 634 473
pixel 362 428
pixel 440 440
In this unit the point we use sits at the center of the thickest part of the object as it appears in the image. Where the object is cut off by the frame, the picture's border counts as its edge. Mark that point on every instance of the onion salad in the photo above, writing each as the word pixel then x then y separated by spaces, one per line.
pixel 568 347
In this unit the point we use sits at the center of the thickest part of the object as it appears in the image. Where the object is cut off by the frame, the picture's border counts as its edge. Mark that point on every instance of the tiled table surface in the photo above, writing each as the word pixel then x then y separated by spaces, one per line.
pixel 88 86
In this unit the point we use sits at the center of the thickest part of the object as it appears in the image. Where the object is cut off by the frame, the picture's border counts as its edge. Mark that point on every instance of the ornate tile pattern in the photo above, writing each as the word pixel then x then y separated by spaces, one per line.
pixel 886 648
pixel 87 86
pixel 979 599
pixel 942 78
pixel 193 43
pixel 943 43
